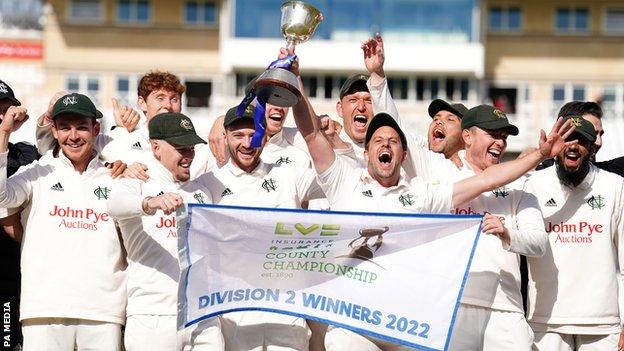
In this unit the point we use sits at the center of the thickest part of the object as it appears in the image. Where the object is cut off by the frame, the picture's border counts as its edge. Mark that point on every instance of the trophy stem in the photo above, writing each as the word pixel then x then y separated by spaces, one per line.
pixel 290 44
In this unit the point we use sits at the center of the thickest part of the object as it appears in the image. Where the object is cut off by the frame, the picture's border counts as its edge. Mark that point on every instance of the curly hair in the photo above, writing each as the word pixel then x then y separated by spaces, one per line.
pixel 156 80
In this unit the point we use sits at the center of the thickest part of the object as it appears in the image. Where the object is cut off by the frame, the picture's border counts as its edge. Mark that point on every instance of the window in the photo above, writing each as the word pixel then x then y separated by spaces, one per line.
pixel 578 93
pixel 614 21
pixel 242 80
pixel 504 99
pixel 608 94
pixel 126 89
pixel 505 19
pixel 310 84
pixel 559 93
pixel 572 20
pixel 398 88
pixel 88 84
pixel 198 94
pixel 133 11
pixel 200 13
pixel 86 10
pixel 464 88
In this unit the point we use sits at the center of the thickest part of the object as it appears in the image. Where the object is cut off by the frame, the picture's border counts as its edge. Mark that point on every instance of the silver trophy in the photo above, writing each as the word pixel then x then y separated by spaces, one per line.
pixel 278 86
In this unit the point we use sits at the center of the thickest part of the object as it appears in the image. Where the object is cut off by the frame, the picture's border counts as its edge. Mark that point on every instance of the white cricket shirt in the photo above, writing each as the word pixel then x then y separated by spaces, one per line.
pixel 574 286
pixel 72 262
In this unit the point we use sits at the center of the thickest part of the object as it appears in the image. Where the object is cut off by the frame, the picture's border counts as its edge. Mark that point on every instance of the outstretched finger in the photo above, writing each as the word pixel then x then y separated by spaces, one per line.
pixel 115 103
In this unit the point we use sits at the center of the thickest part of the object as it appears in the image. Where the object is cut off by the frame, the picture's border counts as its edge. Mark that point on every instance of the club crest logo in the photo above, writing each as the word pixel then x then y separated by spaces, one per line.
pixel 406 199
pixel 70 100
pixel 283 160
pixel 269 185
pixel 576 121
pixel 596 202
pixel 498 113
pixel 500 192
pixel 199 197
pixel 186 124
pixel 101 193
pixel 3 88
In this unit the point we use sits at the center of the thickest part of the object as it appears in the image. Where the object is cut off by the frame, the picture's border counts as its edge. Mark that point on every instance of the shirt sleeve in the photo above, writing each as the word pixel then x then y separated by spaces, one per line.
pixel 126 199
pixel 203 162
pixel 45 139
pixel 307 185
pixel 438 196
pixel 618 238
pixel 528 236
pixel 335 180
pixel 17 189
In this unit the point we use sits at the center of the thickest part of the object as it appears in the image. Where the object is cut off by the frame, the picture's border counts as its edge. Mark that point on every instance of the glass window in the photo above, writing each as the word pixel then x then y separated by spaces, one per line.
pixel 514 18
pixel 495 19
pixel 505 19
pixel 123 84
pixel 465 89
pixel 310 84
pixel 424 20
pixel 198 94
pixel 73 84
pixel 578 93
pixel 133 11
pixel 85 10
pixel 420 89
pixel 398 88
pixel 434 85
pixel 191 12
pixel 608 94
pixel 562 21
pixel 328 85
pixel 449 87
pixel 200 12
pixel 614 20
pixel 558 93
pixel 572 20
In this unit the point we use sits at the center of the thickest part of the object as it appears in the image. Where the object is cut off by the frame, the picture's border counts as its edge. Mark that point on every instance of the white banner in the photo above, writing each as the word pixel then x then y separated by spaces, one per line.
pixel 397 277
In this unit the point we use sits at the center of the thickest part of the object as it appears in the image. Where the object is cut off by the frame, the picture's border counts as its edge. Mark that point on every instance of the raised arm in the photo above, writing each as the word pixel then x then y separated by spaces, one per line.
pixel 505 173
pixel 308 123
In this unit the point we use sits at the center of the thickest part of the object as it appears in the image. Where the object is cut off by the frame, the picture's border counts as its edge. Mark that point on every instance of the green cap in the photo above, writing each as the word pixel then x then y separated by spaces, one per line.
pixel 383 119
pixel 231 118
pixel 354 83
pixel 174 128
pixel 76 104
pixel 584 128
pixel 438 105
pixel 488 118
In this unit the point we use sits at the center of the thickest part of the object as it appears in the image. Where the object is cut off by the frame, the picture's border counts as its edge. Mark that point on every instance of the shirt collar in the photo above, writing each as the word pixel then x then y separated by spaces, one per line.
pixel 93 164
pixel 260 171
pixel 276 139
pixel 366 179
pixel 158 172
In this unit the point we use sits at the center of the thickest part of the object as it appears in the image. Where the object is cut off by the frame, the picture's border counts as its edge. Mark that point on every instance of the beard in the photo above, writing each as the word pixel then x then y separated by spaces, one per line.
pixel 572 178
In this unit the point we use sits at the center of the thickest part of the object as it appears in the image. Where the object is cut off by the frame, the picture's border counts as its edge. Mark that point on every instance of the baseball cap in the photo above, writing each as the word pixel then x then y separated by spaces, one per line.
pixel 438 105
pixel 174 128
pixel 488 118
pixel 7 93
pixel 354 83
pixel 584 128
pixel 76 104
pixel 231 118
pixel 383 119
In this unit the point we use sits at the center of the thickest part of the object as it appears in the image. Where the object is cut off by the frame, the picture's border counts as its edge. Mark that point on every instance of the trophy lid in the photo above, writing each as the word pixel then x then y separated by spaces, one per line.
pixel 299 21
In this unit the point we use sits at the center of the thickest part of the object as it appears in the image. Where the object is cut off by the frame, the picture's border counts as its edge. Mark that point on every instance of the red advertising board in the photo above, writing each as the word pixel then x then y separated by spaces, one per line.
pixel 21 50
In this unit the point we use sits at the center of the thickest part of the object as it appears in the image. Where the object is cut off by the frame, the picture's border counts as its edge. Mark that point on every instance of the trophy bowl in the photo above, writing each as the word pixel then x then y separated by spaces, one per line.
pixel 278 87
pixel 299 21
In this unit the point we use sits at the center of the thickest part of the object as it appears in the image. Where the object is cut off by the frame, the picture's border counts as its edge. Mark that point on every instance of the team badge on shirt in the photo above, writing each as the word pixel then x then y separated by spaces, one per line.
pixel 101 192
pixel 596 202
pixel 269 185
pixel 283 160
pixel 199 197
pixel 500 192
pixel 406 199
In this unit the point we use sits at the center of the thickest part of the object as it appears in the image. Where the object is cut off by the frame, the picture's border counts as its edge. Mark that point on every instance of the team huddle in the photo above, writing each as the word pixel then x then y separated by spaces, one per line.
pixel 95 217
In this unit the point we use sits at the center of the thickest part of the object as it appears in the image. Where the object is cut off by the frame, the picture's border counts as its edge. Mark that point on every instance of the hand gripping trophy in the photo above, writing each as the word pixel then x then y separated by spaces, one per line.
pixel 277 85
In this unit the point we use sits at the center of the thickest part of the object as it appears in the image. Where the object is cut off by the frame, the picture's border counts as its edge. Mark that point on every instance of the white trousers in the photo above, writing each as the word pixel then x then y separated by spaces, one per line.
pixel 569 342
pixel 159 333
pixel 340 339
pixel 264 331
pixel 69 334
pixel 479 328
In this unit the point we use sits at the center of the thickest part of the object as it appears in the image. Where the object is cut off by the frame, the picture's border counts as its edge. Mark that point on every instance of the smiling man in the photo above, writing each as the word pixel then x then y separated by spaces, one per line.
pixel 148 224
pixel 247 180
pixel 73 279
pixel 573 289
pixel 444 134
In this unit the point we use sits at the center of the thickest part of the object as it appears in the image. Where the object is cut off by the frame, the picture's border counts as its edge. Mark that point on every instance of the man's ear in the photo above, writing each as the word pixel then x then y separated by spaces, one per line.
pixel 155 148
pixel 142 104
pixel 96 128
pixel 466 137
pixel 403 156
pixel 339 108
pixel 54 131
